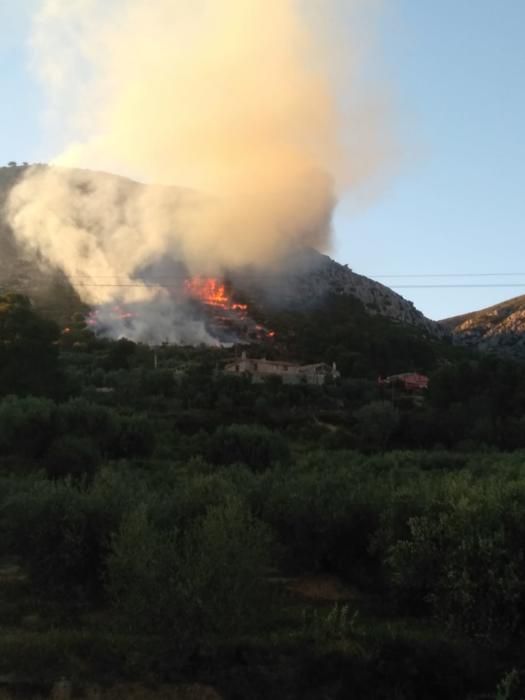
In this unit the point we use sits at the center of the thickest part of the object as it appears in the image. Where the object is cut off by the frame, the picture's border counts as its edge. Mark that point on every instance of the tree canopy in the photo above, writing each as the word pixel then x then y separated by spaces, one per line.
pixel 28 354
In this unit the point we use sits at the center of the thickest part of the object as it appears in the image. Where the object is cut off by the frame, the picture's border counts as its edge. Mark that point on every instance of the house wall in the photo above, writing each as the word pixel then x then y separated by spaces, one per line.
pixel 290 373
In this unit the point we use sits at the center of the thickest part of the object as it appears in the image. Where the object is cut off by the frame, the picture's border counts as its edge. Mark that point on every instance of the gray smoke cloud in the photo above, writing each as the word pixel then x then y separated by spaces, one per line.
pixel 232 99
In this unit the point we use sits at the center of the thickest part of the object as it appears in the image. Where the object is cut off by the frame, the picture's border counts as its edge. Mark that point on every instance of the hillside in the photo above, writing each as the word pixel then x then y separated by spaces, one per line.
pixel 499 328
pixel 304 278
pixel 308 276
pixel 21 271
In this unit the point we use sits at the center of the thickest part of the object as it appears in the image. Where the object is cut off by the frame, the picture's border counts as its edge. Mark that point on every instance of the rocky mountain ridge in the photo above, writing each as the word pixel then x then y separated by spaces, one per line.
pixel 327 275
pixel 499 328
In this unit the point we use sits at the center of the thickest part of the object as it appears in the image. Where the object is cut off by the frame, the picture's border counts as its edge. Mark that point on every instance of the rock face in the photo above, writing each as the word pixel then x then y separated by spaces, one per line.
pixel 330 276
pixel 499 328
pixel 306 276
pixel 302 278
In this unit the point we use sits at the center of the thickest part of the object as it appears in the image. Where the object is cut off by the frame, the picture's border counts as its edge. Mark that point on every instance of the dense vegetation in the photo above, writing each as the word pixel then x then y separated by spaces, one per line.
pixel 339 328
pixel 160 521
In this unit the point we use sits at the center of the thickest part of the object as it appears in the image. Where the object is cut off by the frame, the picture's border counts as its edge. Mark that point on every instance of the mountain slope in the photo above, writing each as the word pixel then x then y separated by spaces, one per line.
pixel 499 328
pixel 303 278
pixel 308 275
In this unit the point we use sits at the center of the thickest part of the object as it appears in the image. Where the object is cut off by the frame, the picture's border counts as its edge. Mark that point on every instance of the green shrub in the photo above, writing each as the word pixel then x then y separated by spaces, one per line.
pixel 324 626
pixel 461 563
pixel 61 533
pixel 27 425
pixel 85 419
pixel 377 422
pixel 136 437
pixel 71 455
pixel 207 581
pixel 28 350
pixel 227 556
pixel 326 510
pixel 255 446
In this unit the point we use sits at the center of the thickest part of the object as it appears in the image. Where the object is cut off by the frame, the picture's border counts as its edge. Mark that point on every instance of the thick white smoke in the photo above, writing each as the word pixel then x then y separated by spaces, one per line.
pixel 231 99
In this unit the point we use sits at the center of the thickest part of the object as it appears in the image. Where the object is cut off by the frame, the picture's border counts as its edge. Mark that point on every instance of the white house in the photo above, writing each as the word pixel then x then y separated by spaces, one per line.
pixel 290 372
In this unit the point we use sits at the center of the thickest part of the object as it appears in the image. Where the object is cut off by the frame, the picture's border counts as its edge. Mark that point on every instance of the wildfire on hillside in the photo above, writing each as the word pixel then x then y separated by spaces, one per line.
pixel 213 293
pixel 222 318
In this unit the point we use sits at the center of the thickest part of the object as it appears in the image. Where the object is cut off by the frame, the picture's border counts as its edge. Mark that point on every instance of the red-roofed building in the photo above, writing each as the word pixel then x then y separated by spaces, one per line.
pixel 409 381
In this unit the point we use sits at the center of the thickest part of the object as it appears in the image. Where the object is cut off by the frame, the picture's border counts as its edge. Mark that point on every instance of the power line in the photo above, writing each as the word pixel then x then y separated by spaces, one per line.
pixel 152 281
pixel 165 285
pixel 263 275
pixel 451 274
pixel 456 286
pixel 395 286
pixel 277 281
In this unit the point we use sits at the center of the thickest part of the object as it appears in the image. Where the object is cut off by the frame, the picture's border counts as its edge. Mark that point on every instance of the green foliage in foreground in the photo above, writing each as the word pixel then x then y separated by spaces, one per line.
pixel 156 514
pixel 206 581
pixel 255 446
pixel 439 539
pixel 71 437
pixel 181 557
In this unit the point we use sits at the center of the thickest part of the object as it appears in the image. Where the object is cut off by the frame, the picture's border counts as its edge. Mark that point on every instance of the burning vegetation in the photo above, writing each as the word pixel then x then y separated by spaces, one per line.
pixel 212 292
pixel 103 317
pixel 208 302
pixel 226 314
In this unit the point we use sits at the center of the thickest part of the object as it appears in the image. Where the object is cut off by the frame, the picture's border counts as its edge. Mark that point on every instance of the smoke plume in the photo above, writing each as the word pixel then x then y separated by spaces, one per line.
pixel 232 101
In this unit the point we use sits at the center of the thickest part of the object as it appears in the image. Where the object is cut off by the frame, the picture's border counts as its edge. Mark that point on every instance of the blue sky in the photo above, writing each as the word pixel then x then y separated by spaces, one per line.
pixel 456 204
pixel 456 69
pixel 20 136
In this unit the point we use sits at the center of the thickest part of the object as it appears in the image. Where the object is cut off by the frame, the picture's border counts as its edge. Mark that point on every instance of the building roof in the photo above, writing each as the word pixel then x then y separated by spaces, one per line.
pixel 408 378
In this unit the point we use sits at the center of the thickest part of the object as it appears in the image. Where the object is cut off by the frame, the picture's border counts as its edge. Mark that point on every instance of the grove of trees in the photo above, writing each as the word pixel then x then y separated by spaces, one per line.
pixel 163 522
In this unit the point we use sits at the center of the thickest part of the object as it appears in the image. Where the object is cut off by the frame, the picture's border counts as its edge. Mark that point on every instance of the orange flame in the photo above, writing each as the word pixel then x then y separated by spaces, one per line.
pixel 209 290
pixel 213 292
